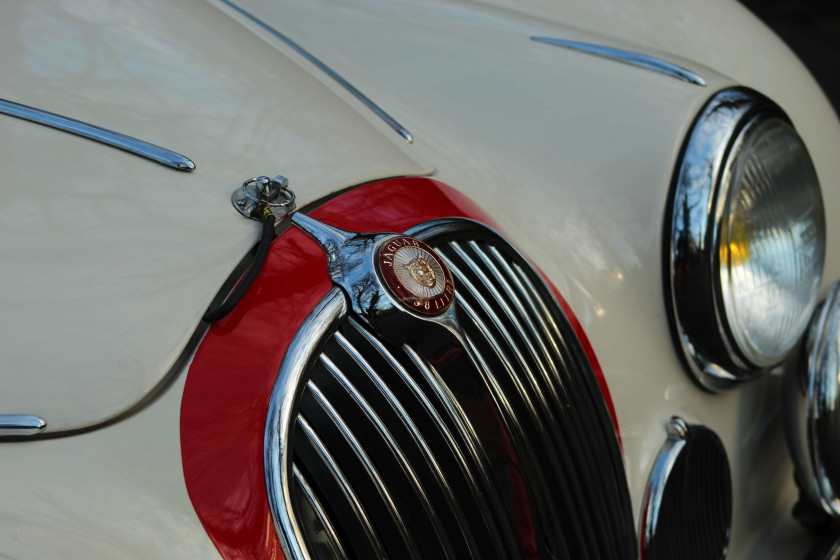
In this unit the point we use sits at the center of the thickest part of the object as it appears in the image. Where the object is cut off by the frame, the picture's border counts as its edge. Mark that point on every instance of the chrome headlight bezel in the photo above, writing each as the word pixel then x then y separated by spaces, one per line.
pixel 697 208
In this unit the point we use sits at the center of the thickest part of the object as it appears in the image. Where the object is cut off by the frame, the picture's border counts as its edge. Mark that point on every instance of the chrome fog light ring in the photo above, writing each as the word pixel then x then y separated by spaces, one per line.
pixel 812 416
pixel 745 201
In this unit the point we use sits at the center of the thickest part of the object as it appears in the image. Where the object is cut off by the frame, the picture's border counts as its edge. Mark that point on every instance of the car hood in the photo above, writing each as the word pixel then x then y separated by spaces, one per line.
pixel 109 260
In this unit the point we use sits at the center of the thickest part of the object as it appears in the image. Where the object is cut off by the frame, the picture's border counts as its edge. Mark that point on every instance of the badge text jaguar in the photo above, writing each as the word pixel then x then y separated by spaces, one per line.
pixel 416 275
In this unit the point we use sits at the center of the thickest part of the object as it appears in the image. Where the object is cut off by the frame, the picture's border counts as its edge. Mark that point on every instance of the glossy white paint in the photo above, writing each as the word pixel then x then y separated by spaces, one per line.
pixel 572 154
pixel 109 494
pixel 109 260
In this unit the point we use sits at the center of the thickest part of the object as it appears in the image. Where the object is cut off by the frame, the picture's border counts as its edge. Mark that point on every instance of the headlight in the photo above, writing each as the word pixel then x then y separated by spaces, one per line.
pixel 745 239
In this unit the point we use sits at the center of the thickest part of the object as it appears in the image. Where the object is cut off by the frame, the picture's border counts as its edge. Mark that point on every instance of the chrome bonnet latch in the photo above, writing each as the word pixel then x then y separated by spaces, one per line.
pixel 274 194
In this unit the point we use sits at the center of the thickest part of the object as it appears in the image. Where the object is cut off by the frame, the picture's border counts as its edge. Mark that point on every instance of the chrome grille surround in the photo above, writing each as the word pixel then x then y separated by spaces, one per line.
pixel 491 440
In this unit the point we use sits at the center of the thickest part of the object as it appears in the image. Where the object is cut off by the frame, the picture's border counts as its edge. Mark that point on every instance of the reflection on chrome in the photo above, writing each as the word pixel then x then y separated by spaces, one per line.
pixel 20 425
pixel 627 57
pixel 812 408
pixel 745 225
pixel 99 134
pixel 280 422
pixel 390 121
pixel 687 504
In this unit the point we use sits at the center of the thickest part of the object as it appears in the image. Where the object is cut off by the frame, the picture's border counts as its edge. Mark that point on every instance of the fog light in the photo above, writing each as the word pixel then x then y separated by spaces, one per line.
pixel 813 408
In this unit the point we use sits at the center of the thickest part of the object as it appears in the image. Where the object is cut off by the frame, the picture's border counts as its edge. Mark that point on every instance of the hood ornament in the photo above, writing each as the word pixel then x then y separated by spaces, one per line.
pixel 383 273
pixel 385 276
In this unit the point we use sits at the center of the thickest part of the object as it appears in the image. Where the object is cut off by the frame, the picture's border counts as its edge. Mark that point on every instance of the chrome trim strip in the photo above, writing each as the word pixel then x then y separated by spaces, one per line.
pixel 627 57
pixel 390 121
pixel 21 425
pixel 395 405
pixel 341 480
pixel 337 547
pixel 98 134
pixel 284 396
pixel 368 465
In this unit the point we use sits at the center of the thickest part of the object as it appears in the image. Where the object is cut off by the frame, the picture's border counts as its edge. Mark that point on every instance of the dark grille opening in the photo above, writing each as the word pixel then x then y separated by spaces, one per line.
pixel 493 444
pixel 695 508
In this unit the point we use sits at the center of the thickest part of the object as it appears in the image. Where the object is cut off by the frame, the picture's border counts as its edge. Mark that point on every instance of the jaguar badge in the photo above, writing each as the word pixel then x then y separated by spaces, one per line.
pixel 416 275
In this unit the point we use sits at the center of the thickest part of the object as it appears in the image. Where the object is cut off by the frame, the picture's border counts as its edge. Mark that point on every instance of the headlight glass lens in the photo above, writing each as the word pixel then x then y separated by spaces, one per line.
pixel 771 240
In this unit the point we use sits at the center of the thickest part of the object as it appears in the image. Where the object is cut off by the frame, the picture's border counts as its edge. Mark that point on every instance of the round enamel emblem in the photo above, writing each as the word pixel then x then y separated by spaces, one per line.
pixel 416 275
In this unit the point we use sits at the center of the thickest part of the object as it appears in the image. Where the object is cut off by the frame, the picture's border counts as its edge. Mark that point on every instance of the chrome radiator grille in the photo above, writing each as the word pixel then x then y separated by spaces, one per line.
pixel 493 442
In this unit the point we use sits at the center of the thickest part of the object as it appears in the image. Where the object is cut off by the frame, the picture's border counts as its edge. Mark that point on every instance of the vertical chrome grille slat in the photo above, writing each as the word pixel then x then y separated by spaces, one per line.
pixel 568 433
pixel 545 360
pixel 440 425
pixel 525 394
pixel 369 467
pixel 467 434
pixel 395 448
pixel 344 485
pixel 336 547
pixel 590 446
pixel 599 419
pixel 499 394
pixel 429 457
pixel 552 329
pixel 483 435
pixel 534 302
pixel 500 298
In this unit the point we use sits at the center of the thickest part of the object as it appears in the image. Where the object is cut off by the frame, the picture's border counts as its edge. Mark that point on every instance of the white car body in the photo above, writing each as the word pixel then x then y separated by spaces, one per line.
pixel 108 261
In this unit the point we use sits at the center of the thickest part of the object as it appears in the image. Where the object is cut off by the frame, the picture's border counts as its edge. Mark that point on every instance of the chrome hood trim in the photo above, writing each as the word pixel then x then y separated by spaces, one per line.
pixel 389 120
pixel 98 134
pixel 627 57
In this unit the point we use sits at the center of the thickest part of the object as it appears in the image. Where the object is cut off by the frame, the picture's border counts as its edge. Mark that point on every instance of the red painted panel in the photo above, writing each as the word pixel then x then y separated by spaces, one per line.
pixel 229 383
pixel 226 397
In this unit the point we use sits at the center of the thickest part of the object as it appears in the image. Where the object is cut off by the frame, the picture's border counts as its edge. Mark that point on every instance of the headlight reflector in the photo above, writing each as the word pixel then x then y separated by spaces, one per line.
pixel 772 240
pixel 745 240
